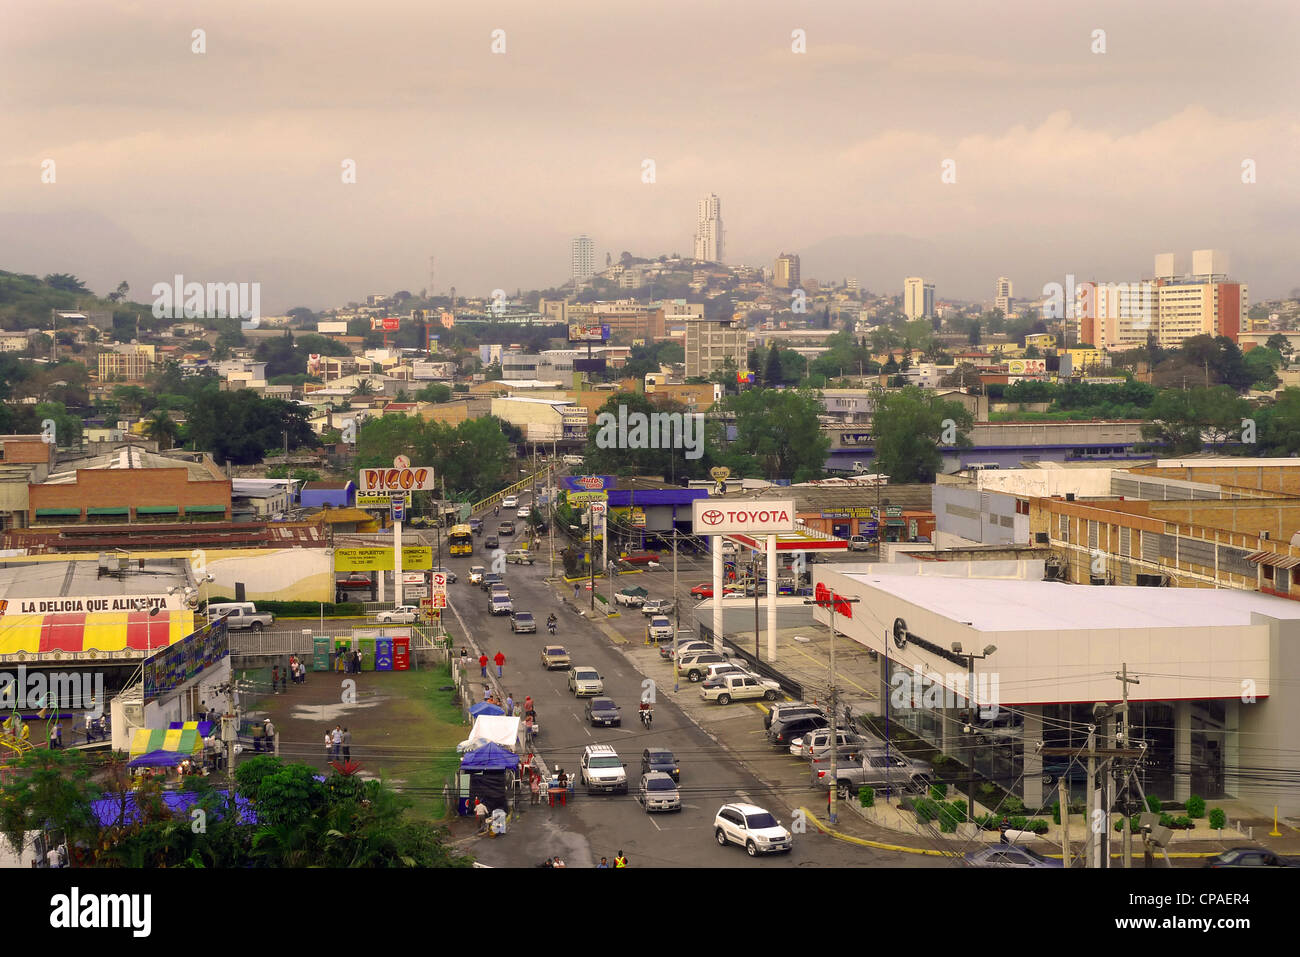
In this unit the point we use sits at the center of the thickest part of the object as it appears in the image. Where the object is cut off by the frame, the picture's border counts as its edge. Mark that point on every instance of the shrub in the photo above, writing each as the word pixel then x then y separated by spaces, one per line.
pixel 1166 819
pixel 939 791
pixel 1153 804
pixel 1184 823
pixel 925 809
pixel 1037 825
pixel 957 810
pixel 1196 806
pixel 987 822
pixel 1013 805
pixel 1218 820
pixel 867 797
pixel 1056 812
pixel 305 609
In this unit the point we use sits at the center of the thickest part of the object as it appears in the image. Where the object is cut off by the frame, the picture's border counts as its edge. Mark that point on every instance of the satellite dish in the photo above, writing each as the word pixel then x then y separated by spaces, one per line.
pixel 900 632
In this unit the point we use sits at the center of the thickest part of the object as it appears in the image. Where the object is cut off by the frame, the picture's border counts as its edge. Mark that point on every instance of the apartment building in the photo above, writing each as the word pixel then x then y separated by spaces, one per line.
pixel 129 363
pixel 709 344
pixel 708 229
pixel 786 273
pixel 918 298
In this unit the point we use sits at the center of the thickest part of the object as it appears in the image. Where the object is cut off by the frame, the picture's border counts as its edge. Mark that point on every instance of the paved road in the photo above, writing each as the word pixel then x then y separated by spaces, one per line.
pixel 603 824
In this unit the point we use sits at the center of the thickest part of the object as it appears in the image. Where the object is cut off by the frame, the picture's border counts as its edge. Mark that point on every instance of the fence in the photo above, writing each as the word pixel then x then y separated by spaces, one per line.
pixel 788 685
pixel 509 490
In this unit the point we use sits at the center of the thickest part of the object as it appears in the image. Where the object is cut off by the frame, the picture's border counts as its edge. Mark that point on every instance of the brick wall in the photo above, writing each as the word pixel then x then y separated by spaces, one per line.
pixel 132 488
pixel 26 450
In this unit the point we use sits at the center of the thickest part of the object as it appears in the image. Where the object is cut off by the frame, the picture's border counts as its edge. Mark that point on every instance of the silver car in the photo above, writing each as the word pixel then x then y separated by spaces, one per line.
pixel 658 792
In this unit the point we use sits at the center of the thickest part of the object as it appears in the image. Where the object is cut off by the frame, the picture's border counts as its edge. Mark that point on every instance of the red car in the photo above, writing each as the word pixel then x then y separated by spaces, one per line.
pixel 641 558
pixel 353 581
pixel 705 590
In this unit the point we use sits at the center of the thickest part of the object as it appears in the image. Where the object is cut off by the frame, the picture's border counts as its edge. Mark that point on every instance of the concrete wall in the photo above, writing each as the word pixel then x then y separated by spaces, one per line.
pixel 982 517
pixel 1043 483
pixel 1266 730
pixel 279 574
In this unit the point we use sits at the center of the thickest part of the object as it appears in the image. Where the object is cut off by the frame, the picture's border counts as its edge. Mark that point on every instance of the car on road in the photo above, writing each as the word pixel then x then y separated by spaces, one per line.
pixel 476 574
pixel 554 656
pixel 659 628
pixel 693 665
pixel 656 606
pixel 859 543
pixel 522 622
pixel 241 615
pixel 603 712
pixel 1250 857
pixel 640 558
pixel 523 512
pixel 660 759
pixel 658 792
pixel 491 542
pixel 788 709
pixel 490 579
pixel 571 459
pixel 795 726
pixel 506 529
pixel 510 501
pixel 753 828
pixel 742 688
pixel 451 575
pixel 500 605
pixel 1008 855
pixel 402 614
pixel 476 525
pixel 520 556
pixel 585 681
pixel 601 769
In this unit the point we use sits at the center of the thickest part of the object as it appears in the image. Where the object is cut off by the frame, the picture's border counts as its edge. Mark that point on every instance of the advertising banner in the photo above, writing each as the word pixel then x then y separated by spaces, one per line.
pixel 584 498
pixel 176 664
pixel 762 517
pixel 589 483
pixel 417 478
pixel 588 332
pixel 414 558
pixel 379 499
pixel 80 606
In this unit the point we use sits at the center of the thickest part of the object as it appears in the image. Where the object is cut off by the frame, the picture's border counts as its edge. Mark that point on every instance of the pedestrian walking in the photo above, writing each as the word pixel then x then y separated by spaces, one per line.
pixel 56 739
pixel 481 812
pixel 347 745
pixel 268 729
pixel 620 861
pixel 528 703
pixel 500 659
pixel 535 786
pixel 483 663
pixel 336 742
pixel 575 592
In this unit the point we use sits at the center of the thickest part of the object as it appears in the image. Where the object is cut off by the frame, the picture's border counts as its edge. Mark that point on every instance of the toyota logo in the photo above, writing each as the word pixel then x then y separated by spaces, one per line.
pixel 711 516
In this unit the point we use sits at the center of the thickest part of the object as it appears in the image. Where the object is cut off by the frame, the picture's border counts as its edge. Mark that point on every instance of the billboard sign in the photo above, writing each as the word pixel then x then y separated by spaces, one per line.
pixel 414 558
pixel 418 479
pixel 380 499
pixel 176 664
pixel 589 483
pixel 761 517
pixel 585 498
pixel 588 332
pixel 1026 366
pixel 84 606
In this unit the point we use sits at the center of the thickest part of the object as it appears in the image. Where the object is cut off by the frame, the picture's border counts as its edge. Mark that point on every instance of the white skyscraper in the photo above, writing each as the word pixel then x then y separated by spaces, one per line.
pixel 708 229
pixel 918 298
pixel 583 260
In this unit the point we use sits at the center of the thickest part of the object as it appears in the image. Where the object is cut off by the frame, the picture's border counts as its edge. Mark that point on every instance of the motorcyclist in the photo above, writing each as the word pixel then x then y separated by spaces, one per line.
pixel 550 622
pixel 496 510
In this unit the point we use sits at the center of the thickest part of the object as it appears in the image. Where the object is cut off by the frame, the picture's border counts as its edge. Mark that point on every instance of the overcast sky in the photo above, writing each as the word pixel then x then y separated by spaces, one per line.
pixel 226 165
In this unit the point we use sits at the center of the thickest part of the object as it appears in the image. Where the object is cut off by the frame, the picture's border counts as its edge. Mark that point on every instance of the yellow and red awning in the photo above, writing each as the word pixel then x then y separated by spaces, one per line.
pixel 114 634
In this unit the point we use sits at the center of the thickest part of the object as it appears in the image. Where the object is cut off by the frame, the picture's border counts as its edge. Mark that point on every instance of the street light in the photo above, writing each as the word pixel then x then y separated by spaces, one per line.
pixel 970 712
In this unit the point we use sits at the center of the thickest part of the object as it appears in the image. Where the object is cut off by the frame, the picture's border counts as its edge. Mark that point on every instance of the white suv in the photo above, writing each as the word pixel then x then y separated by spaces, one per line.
pixel 754 829
pixel 601 769
pixel 510 501
pixel 585 681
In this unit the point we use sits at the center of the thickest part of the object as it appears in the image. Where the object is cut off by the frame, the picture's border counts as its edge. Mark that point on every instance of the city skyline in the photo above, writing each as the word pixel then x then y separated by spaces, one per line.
pixel 231 170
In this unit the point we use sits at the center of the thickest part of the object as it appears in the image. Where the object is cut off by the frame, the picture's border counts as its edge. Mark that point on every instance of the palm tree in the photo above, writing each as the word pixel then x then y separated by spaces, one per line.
pixel 162 429
pixel 364 387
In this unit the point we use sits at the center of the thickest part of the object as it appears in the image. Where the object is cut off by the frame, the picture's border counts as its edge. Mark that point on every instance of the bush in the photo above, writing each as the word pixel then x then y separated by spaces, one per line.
pixel 1196 806
pixel 987 822
pixel 956 810
pixel 1056 812
pixel 1037 825
pixel 926 809
pixel 1153 804
pixel 305 609
pixel 938 791
pixel 1184 823
pixel 1013 805
pixel 867 797
pixel 1218 820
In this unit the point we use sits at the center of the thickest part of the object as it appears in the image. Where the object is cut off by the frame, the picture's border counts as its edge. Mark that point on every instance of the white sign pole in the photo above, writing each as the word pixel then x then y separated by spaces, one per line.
pixel 398 585
pixel 716 545
pixel 771 599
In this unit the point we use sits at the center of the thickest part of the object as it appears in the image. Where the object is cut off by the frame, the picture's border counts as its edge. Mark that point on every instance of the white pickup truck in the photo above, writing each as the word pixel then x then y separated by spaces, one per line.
pixel 740 688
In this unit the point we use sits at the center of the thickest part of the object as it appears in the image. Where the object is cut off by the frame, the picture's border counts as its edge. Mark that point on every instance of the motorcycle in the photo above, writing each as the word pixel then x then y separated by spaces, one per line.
pixel 647 715
pixel 550 626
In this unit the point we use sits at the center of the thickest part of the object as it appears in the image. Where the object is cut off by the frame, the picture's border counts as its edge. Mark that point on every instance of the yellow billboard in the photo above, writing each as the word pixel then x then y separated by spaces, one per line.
pixel 414 558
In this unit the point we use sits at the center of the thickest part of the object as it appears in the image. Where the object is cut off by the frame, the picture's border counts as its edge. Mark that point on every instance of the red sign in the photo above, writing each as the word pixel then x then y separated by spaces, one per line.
pixel 391 324
pixel 825 597
pixel 396 480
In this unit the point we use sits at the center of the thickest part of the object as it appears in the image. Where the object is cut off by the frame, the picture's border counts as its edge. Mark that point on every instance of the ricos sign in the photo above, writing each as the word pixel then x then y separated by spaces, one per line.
pixel 396 480
pixel 714 517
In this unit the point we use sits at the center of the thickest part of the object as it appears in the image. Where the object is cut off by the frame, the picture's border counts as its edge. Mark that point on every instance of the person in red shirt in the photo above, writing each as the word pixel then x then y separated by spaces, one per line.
pixel 500 659
pixel 482 663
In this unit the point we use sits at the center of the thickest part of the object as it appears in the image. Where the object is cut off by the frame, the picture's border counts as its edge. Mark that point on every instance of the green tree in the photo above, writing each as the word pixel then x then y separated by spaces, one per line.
pixel 240 426
pixel 1279 344
pixel 1181 421
pixel 1279 428
pixel 364 387
pixel 162 429
pixel 910 427
pixel 778 435
pixel 772 374
pixel 610 453
pixel 50 790
pixel 434 392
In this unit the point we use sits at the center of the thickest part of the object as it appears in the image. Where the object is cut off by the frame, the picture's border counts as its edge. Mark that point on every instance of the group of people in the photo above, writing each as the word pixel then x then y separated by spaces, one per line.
pixel 620 861
pixel 499 659
pixel 338 743
pixel 297 670
pixel 264 737
pixel 349 662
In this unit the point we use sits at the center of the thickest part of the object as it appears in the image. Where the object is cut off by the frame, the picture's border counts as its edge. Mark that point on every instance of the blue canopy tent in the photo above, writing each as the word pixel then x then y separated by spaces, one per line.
pixel 490 757
pixel 485 707
pixel 158 759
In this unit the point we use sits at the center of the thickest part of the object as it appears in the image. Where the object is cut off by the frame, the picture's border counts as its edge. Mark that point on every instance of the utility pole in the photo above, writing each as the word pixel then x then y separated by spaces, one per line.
pixel 591 555
pixel 1063 795
pixel 829 603
pixel 1124 742
pixel 1089 858
pixel 550 526
pixel 753 573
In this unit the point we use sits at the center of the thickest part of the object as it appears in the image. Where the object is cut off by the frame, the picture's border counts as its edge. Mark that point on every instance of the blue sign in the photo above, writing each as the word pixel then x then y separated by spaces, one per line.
pixel 589 483
pixel 398 506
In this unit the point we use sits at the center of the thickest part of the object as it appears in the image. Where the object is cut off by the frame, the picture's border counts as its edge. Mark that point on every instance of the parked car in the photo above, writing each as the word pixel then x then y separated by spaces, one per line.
pixel 1008 855
pixel 554 656
pixel 640 558
pixel 788 709
pixel 875 770
pixel 705 590
pixel 660 759
pixel 521 622
pixel 355 580
pixel 490 579
pixel 571 459
pixel 656 606
pixel 753 828
pixel 628 598
pixel 686 648
pixel 859 543
pixel 603 711
pixel 476 574
pixel 714 674
pixel 783 732
pixel 693 665
pixel 1004 727
pixel 520 556
pixel 659 628
pixel 742 688
pixel 240 615
pixel 402 614
pixel 585 681
pixel 1250 857
pixel 658 792
pixel 809 744
pixel 510 501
